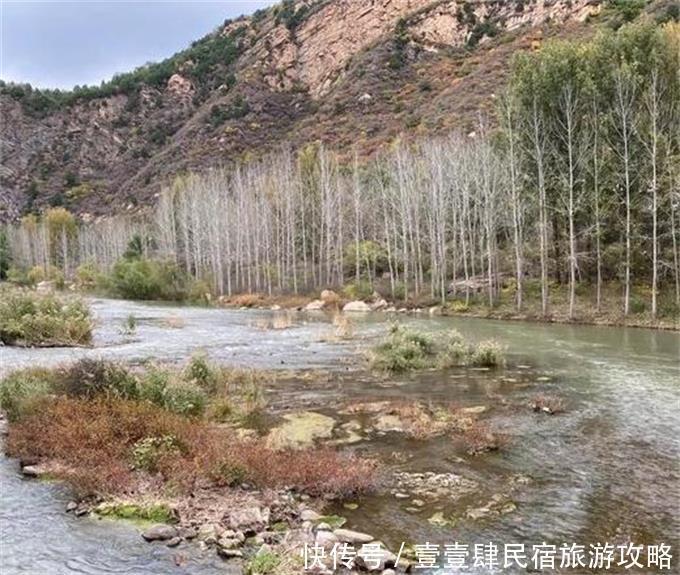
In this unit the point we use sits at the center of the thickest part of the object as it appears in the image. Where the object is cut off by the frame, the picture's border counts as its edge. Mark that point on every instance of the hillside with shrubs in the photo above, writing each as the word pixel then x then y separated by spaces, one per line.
pixel 292 74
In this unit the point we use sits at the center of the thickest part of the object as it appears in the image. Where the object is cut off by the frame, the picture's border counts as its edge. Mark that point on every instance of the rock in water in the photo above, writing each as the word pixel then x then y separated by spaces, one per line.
pixel 358 306
pixel 160 532
pixel 315 305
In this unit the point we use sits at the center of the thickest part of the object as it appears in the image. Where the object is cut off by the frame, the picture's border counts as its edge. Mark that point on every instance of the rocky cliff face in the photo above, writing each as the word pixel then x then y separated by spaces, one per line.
pixel 353 73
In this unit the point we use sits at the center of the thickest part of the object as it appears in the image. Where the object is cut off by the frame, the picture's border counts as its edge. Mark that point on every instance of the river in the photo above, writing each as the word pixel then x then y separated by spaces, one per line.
pixel 605 470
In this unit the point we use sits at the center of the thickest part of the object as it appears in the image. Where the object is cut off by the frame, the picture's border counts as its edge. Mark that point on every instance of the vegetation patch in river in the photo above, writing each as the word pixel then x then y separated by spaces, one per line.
pixel 406 350
pixel 29 318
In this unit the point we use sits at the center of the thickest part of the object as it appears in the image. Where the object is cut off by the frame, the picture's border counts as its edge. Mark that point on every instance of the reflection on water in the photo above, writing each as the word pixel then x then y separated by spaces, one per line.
pixel 607 469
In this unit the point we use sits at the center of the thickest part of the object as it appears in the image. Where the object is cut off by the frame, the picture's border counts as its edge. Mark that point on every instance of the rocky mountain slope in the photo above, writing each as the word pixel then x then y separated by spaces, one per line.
pixel 355 74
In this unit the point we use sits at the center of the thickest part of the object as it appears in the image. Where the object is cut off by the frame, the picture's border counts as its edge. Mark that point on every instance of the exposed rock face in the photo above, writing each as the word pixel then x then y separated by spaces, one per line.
pixel 316 52
pixel 326 76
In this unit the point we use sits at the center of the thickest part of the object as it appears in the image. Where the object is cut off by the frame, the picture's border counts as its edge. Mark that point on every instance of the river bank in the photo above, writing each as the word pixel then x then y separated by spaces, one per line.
pixel 505 309
pixel 618 387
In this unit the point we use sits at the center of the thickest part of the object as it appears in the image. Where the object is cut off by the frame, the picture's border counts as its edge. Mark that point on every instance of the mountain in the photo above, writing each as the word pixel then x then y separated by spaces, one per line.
pixel 355 74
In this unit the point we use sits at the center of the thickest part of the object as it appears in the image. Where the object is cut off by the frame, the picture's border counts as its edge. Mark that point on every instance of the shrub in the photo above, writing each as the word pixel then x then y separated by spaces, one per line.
pixel 93 440
pixel 145 279
pixel 90 378
pixel 458 306
pixel 152 385
pixel 28 318
pixel 453 351
pixel 200 372
pixel 637 306
pixel 18 276
pixel 147 452
pixel 21 390
pixel 184 398
pixel 403 350
pixel 199 291
pixel 358 290
pixel 488 354
pixel 88 276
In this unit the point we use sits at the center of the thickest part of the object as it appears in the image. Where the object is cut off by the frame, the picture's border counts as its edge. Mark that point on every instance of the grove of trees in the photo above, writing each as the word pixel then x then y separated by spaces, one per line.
pixel 575 182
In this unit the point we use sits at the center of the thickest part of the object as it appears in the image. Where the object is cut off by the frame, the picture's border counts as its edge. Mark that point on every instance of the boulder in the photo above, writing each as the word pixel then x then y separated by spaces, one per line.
pixel 357 306
pixel 160 532
pixel 174 542
pixel 314 305
pixel 349 536
pixel 250 520
pixel 379 305
pixel 329 296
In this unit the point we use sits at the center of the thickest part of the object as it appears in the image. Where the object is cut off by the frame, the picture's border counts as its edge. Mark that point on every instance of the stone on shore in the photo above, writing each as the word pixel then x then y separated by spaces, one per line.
pixel 349 536
pixel 315 305
pixel 250 520
pixel 160 532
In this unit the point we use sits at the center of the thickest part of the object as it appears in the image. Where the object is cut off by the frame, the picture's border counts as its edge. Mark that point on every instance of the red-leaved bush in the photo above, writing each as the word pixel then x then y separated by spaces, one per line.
pixel 91 443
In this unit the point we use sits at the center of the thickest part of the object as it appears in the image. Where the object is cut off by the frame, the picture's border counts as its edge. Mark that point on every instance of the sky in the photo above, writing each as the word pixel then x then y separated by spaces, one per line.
pixel 55 44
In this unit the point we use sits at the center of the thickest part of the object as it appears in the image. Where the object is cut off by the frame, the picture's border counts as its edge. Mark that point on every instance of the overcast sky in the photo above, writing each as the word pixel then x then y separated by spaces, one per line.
pixel 54 44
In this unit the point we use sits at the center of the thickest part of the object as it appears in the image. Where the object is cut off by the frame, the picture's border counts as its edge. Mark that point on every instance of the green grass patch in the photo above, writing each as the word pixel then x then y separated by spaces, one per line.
pixel 145 513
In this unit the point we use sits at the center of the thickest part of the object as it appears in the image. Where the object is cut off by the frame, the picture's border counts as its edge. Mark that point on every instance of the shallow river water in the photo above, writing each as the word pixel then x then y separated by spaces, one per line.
pixel 605 470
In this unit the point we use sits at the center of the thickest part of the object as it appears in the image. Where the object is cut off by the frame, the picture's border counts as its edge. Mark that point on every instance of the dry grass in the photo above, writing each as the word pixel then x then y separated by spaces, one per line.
pixel 93 445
